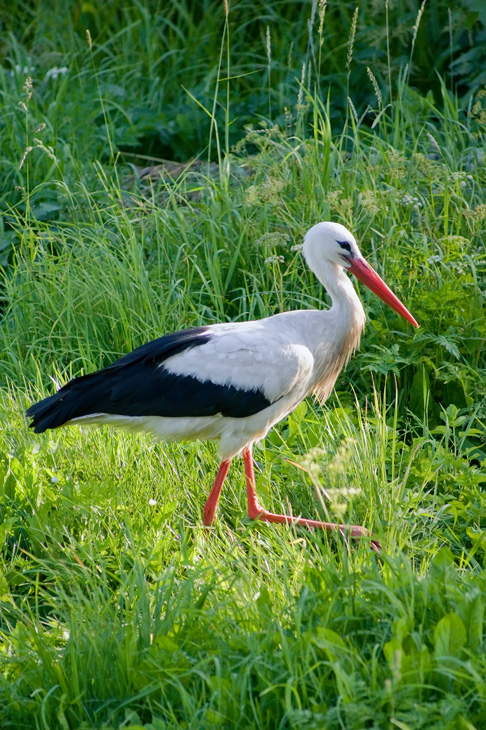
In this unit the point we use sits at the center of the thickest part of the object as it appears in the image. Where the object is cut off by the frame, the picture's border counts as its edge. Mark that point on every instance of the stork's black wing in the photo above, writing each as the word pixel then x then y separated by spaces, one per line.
pixel 139 385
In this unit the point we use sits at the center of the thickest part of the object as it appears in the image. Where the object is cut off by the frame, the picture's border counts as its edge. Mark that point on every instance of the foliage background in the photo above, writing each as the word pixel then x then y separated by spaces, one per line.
pixel 160 172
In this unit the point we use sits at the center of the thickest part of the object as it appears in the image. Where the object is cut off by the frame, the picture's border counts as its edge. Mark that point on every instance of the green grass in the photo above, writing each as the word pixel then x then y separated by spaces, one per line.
pixel 117 608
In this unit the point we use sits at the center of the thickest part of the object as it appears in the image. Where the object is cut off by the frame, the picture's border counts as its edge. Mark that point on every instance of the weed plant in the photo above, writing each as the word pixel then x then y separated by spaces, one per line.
pixel 117 608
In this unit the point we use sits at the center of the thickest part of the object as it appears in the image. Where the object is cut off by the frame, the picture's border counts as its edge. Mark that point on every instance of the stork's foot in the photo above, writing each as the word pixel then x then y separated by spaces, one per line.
pixel 257 512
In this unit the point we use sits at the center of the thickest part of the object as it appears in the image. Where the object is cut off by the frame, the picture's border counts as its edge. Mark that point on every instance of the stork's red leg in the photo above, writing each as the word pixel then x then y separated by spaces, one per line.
pixel 257 512
pixel 212 501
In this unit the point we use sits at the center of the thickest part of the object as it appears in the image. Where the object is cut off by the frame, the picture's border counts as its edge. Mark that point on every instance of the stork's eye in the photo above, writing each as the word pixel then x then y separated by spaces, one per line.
pixel 345 245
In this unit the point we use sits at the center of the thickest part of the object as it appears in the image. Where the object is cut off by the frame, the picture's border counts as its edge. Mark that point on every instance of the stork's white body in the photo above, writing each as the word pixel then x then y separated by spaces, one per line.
pixel 286 357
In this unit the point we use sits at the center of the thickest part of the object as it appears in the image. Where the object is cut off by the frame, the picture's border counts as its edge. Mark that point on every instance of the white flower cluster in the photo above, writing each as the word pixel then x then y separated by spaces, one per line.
pixel 54 72
pixel 21 70
pixel 274 260
pixel 461 177
pixel 275 238
pixel 412 200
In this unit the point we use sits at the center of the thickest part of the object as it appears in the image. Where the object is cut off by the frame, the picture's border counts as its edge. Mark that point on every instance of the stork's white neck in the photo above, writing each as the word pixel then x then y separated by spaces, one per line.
pixel 340 327
pixel 345 302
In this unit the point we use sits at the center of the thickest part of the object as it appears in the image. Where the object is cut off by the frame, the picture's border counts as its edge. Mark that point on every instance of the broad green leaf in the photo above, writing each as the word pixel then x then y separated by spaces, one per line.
pixel 449 636
pixel 335 648
pixel 330 641
pixel 166 643
pixel 471 611
pixel 392 651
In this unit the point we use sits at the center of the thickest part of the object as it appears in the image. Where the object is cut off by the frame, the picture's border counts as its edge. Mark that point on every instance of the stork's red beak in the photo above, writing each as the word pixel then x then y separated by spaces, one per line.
pixel 365 273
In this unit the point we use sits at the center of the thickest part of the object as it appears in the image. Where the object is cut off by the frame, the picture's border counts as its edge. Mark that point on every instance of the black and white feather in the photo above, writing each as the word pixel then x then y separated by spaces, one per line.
pixel 229 382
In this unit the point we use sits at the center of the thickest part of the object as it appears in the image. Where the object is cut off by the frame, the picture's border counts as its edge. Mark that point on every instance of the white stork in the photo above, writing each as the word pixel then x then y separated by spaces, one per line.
pixel 232 382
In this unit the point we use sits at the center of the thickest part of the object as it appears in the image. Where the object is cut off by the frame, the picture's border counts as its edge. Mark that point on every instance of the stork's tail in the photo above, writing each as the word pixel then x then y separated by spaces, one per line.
pixel 74 400
pixel 49 413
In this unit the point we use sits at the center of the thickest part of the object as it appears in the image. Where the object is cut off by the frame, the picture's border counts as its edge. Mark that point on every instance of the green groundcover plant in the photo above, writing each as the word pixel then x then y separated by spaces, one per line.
pixel 159 172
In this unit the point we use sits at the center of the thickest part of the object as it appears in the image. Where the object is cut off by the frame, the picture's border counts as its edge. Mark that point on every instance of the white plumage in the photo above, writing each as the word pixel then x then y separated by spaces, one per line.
pixel 233 382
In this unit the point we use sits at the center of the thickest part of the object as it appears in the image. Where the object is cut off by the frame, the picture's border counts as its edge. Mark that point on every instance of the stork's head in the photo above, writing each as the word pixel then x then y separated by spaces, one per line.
pixel 332 243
